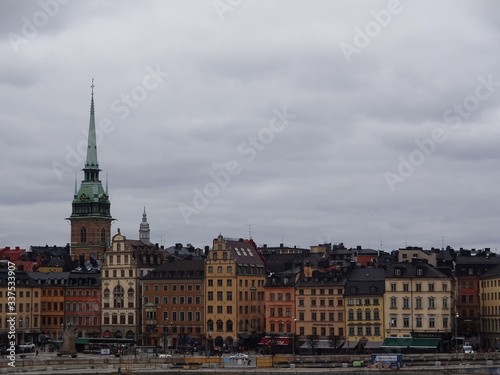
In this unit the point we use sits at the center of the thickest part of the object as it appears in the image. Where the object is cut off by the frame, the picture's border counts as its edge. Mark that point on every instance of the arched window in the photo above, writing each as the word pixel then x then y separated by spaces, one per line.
pixel 87 306
pixel 118 294
pixel 368 314
pixel 210 325
pixel 83 234
pixel 103 235
pixel 229 326
pixel 220 325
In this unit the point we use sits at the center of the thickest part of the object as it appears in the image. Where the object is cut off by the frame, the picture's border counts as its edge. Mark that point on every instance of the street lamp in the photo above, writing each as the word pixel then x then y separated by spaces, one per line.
pixel 456 332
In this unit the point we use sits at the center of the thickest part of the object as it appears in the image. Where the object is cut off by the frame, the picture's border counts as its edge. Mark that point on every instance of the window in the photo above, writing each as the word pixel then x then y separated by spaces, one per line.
pixel 359 314
pixel 419 321
pixel 431 287
pixel 406 287
pixel 418 302
pixel 432 321
pixel 445 302
pixel 376 314
pixel 432 303
pixel 83 235
pixel 368 314
pixel 418 287
pixel 393 287
pixel 350 314
pixel 118 295
pixel 394 304
pixel 406 302
pixel 406 321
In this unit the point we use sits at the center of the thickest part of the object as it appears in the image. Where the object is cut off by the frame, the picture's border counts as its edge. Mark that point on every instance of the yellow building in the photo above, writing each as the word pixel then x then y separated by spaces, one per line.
pixel 320 310
pixel 489 293
pixel 235 273
pixel 364 296
pixel 419 303
pixel 24 300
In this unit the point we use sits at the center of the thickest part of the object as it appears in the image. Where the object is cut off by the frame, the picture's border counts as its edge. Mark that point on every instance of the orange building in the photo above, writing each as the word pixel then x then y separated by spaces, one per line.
pixel 52 287
pixel 280 313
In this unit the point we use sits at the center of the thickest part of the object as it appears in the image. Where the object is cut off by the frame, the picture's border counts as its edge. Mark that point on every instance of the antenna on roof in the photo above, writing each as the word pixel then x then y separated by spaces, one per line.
pixel 250 230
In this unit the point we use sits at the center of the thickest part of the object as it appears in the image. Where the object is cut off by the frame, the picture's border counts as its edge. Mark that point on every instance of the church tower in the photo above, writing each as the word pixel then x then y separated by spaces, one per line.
pixel 144 229
pixel 90 217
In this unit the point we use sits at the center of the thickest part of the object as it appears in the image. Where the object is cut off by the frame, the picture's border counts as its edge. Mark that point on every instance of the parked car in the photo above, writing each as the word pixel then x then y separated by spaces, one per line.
pixel 240 356
pixel 162 355
pixel 27 346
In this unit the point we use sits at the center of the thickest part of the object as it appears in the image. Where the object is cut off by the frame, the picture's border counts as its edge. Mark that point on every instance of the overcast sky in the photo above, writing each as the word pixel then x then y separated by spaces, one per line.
pixel 372 123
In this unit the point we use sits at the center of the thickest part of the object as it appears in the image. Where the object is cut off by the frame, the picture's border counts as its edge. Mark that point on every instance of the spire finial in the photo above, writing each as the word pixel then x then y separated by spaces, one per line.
pixel 92 87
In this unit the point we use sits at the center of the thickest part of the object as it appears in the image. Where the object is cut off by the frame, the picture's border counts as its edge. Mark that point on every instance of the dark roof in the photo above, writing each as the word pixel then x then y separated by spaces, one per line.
pixel 494 272
pixel 365 281
pixel 245 252
pixel 326 279
pixel 282 262
pixel 179 269
pixel 22 279
pixel 50 278
pixel 410 270
pixel 84 279
pixel 282 279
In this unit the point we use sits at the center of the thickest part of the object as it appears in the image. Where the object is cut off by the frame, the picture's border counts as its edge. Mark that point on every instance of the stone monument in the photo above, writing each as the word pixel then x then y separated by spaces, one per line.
pixel 68 345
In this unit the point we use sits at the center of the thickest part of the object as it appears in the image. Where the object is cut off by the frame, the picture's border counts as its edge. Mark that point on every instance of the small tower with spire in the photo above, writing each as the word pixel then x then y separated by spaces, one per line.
pixel 90 217
pixel 144 229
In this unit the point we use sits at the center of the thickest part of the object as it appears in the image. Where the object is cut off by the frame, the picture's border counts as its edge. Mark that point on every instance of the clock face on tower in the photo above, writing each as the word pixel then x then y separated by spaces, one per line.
pixel 83 196
pixel 104 197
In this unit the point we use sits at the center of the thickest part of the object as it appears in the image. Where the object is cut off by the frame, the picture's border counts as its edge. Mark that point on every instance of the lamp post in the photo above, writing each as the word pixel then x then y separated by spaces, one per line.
pixel 456 332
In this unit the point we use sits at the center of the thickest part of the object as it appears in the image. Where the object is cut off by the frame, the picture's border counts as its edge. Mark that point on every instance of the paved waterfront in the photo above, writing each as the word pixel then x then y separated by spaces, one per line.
pixel 49 363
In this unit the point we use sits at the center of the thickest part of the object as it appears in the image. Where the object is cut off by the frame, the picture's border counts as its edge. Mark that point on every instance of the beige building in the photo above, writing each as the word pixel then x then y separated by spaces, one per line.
pixel 409 253
pixel 489 294
pixel 419 303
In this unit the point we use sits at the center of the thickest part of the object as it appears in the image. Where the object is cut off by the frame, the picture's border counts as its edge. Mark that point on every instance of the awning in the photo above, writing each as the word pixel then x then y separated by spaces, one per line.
pixel 82 340
pixel 318 344
pixel 277 341
pixel 367 345
pixel 414 343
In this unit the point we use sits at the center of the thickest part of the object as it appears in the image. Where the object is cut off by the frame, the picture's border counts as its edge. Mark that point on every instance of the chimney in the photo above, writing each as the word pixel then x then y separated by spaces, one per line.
pixel 82 261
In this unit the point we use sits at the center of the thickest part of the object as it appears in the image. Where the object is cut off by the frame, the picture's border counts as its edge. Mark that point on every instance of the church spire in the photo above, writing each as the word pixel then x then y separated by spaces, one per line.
pixel 144 228
pixel 91 165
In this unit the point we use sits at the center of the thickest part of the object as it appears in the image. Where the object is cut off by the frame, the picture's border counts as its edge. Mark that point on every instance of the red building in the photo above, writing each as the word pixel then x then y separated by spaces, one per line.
pixel 83 303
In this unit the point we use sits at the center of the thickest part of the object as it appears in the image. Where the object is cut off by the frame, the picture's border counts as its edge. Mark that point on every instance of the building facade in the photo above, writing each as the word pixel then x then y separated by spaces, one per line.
pixel 235 274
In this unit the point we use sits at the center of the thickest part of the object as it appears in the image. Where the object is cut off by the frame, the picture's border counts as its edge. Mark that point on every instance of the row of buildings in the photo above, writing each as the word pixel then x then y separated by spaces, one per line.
pixel 235 294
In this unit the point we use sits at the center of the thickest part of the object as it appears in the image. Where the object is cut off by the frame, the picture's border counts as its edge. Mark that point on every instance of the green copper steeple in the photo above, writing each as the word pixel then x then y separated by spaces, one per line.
pixel 92 166
pixel 91 199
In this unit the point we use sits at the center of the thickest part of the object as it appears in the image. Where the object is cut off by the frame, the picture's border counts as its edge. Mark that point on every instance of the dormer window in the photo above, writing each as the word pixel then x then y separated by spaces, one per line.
pixel 420 271
pixel 397 272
